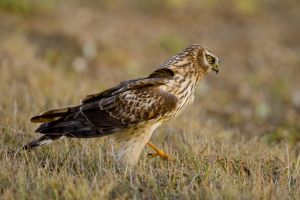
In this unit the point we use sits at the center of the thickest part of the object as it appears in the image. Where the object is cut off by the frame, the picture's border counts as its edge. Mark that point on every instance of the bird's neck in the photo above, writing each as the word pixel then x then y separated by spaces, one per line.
pixel 188 75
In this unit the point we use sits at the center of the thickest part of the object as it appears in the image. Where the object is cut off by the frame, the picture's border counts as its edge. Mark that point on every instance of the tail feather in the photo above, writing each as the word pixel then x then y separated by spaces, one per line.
pixel 68 121
pixel 64 127
pixel 45 139
pixel 53 115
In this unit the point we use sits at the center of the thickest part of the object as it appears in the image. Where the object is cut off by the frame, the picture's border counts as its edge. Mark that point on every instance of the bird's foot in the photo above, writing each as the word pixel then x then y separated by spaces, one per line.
pixel 159 152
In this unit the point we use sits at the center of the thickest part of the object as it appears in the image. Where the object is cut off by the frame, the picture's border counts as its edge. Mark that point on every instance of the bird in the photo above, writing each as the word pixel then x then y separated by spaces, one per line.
pixel 131 111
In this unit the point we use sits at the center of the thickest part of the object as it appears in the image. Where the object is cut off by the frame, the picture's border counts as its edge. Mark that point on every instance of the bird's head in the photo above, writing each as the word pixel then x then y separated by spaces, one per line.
pixel 194 60
pixel 201 58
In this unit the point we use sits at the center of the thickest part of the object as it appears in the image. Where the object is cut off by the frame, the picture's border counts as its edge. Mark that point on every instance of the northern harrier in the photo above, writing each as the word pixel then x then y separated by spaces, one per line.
pixel 132 110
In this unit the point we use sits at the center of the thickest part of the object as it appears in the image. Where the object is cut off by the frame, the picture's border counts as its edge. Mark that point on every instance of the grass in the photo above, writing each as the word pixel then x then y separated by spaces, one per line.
pixel 239 140
pixel 205 170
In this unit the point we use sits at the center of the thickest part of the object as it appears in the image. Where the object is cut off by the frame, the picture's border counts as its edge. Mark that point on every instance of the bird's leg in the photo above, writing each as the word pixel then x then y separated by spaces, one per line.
pixel 159 152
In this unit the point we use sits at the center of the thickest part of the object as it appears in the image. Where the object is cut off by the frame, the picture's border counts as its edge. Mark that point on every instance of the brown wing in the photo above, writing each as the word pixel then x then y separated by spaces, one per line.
pixel 116 109
pixel 129 106
pixel 158 77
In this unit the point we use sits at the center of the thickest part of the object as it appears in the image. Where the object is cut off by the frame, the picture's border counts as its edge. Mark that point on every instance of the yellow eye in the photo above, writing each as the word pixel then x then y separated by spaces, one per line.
pixel 210 59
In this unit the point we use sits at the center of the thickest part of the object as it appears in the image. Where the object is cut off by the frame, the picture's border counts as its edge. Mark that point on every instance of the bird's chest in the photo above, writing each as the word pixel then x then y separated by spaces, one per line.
pixel 185 98
pixel 184 91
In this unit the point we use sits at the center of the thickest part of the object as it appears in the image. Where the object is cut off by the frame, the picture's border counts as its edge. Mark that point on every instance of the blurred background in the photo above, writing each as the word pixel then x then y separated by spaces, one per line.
pixel 53 53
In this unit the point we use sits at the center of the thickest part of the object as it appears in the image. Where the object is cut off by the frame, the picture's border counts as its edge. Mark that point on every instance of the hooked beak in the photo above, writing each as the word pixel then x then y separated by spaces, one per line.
pixel 216 67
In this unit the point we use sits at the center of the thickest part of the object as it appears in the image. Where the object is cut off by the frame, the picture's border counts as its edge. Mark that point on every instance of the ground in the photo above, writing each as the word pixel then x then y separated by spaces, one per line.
pixel 239 140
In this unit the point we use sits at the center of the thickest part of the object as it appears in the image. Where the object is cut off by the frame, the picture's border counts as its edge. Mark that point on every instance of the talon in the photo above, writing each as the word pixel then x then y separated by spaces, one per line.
pixel 159 152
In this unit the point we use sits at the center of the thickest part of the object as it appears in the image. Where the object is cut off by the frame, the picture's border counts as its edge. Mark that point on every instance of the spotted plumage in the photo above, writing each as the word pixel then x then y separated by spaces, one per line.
pixel 132 110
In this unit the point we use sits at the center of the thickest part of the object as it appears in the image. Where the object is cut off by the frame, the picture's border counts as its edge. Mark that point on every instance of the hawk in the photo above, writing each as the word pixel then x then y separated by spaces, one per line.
pixel 132 110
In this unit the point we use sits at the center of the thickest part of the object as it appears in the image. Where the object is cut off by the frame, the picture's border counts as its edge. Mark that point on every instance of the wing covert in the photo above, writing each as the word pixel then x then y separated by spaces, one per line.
pixel 129 105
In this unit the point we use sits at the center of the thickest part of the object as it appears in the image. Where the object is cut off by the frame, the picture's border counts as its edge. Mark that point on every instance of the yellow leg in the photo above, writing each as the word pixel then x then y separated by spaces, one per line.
pixel 159 152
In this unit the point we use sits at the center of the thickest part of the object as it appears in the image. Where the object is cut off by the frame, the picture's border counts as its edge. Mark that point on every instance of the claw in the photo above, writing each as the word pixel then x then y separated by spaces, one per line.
pixel 159 152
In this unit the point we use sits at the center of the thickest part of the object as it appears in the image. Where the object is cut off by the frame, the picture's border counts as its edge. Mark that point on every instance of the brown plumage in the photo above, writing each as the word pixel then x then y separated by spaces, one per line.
pixel 132 110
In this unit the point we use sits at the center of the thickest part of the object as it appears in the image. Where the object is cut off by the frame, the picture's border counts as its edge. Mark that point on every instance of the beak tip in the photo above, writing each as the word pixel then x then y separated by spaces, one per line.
pixel 216 70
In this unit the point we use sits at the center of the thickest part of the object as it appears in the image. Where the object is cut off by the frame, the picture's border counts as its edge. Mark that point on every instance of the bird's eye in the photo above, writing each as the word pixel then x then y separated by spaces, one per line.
pixel 210 59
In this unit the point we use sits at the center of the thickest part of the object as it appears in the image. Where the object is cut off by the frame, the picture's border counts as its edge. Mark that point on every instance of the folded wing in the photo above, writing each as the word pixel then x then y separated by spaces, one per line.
pixel 129 104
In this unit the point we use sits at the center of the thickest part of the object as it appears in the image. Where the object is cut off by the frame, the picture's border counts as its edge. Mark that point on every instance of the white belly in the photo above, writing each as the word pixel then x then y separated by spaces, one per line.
pixel 132 142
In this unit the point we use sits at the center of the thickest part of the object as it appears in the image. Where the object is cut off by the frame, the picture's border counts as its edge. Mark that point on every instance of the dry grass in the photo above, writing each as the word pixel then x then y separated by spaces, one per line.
pixel 239 140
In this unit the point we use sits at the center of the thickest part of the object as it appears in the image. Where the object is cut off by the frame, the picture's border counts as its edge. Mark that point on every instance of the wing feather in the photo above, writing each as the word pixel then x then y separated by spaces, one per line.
pixel 129 105
pixel 158 77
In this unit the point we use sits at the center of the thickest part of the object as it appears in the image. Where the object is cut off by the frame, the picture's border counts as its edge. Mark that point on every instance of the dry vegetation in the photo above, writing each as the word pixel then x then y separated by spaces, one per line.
pixel 239 140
